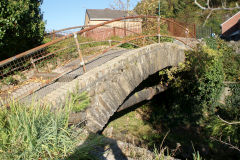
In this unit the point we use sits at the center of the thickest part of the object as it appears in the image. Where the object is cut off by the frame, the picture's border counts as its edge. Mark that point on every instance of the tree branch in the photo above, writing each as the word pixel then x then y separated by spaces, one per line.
pixel 230 123
pixel 208 4
pixel 118 5
pixel 228 144
pixel 223 7
pixel 199 5
pixel 209 15
pixel 213 9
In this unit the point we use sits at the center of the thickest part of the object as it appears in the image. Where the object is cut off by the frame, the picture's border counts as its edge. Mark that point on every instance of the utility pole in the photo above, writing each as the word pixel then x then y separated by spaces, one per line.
pixel 159 5
pixel 128 7
pixel 159 17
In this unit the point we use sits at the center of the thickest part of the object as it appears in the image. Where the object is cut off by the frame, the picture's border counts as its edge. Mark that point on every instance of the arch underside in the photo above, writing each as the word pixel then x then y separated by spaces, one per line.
pixel 124 74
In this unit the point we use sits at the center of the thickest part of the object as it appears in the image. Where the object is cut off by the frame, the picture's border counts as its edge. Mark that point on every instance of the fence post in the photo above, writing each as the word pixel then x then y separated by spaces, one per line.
pixel 171 28
pixel 79 52
pixel 158 20
pixel 194 30
pixel 125 32
pixel 110 42
pixel 114 31
pixel 34 65
pixel 187 34
pixel 211 32
pixel 53 37
pixel 144 39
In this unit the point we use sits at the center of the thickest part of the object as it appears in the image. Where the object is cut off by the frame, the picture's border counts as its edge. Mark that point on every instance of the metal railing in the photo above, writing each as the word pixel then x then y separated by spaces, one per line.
pixel 85 44
pixel 203 32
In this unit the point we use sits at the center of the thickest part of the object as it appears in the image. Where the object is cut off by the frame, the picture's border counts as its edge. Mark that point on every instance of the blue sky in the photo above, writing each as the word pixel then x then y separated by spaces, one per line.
pixel 60 14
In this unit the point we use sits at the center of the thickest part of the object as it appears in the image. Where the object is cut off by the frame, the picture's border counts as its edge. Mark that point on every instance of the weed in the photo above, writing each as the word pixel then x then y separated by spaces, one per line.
pixel 34 132
pixel 78 102
pixel 127 46
pixel 10 81
pixel 196 155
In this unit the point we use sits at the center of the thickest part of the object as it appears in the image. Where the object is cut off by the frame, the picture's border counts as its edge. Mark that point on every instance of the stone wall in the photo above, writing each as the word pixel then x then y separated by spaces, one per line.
pixel 110 84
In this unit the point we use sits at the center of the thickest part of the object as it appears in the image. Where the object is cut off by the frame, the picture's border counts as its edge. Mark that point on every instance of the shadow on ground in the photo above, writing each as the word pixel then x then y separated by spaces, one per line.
pixel 99 148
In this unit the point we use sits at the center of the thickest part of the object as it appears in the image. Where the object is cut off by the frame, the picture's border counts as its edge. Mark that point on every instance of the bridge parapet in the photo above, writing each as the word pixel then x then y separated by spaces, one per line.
pixel 110 84
pixel 32 70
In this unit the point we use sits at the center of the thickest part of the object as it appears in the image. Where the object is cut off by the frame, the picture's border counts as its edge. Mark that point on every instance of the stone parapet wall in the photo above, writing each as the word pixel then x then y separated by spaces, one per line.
pixel 110 84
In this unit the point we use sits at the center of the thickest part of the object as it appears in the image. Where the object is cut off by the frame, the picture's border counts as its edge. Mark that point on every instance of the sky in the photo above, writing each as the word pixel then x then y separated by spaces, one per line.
pixel 59 14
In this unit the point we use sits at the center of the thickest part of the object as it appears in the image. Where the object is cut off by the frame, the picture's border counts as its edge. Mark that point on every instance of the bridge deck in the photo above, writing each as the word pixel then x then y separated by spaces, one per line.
pixel 73 74
pixel 40 91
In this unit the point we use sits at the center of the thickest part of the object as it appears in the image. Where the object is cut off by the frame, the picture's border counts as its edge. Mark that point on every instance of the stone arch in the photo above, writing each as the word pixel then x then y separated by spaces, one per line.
pixel 109 84
pixel 125 73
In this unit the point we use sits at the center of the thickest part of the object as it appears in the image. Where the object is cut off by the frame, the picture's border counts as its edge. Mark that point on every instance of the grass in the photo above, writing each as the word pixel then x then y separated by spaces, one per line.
pixel 129 124
pixel 196 155
pixel 141 131
pixel 36 132
pixel 78 102
pixel 66 51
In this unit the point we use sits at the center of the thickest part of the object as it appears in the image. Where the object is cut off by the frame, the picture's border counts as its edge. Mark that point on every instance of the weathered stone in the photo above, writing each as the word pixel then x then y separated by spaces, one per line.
pixel 100 88
pixel 93 126
pixel 94 114
pixel 81 84
pixel 114 90
pixel 110 84
pixel 124 84
pixel 91 92
pixel 108 109
pixel 107 103
pixel 76 118
pixel 103 115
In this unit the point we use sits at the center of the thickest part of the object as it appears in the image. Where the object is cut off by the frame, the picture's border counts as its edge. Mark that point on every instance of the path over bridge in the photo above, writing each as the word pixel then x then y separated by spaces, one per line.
pixel 111 75
pixel 109 85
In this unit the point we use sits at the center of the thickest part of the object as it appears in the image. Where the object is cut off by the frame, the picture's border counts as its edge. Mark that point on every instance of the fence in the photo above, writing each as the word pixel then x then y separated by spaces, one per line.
pixel 63 32
pixel 203 32
pixel 24 73
pixel 176 30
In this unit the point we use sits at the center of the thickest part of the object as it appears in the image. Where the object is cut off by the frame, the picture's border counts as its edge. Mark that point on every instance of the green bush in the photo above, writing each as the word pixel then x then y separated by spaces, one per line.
pixel 231 60
pixel 22 27
pixel 201 81
pixel 127 46
pixel 229 112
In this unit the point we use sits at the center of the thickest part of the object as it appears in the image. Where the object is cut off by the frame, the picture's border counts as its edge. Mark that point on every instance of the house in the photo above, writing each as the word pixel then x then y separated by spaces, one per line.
pixel 231 28
pixel 118 28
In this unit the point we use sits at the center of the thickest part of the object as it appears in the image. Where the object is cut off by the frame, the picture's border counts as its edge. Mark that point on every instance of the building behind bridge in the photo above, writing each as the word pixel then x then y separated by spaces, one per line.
pixel 231 28
pixel 118 28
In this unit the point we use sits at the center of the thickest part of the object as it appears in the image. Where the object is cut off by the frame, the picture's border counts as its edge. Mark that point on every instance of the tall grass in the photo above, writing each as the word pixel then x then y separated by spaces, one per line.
pixel 78 102
pixel 35 132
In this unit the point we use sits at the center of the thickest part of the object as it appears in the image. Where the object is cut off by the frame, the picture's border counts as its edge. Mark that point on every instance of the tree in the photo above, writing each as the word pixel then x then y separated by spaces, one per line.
pixel 118 5
pixel 22 26
pixel 177 9
pixel 210 14
pixel 216 5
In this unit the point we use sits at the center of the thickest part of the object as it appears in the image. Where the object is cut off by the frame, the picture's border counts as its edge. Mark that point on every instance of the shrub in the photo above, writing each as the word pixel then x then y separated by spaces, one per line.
pixel 200 83
pixel 229 112
pixel 231 60
pixel 35 132
pixel 22 27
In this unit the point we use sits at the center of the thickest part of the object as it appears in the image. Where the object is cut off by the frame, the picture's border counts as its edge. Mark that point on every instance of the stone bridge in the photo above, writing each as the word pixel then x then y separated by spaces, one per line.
pixel 109 85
